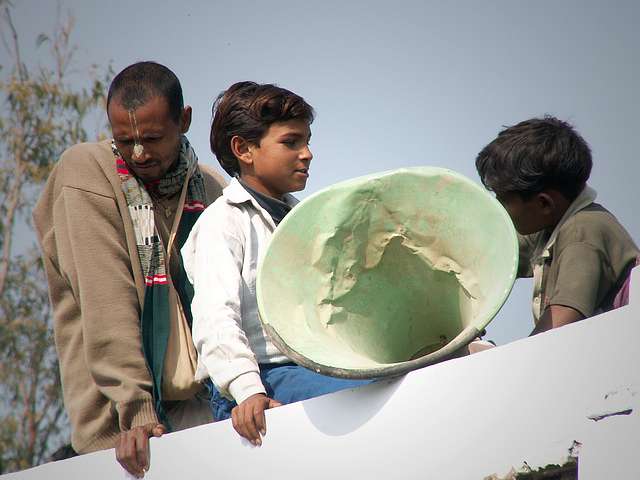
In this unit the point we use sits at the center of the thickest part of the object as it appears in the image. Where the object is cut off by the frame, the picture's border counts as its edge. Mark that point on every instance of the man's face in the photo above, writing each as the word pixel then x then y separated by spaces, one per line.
pixel 151 126
pixel 528 215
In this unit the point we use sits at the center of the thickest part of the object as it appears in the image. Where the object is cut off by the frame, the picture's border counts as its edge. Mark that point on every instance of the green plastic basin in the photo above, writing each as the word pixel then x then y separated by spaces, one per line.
pixel 382 274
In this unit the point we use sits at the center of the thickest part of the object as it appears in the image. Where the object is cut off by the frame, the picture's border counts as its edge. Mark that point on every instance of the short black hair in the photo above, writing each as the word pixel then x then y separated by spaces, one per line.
pixel 247 109
pixel 142 81
pixel 536 154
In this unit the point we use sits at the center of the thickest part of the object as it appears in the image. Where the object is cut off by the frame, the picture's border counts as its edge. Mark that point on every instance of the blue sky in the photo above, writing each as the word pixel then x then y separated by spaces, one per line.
pixel 394 84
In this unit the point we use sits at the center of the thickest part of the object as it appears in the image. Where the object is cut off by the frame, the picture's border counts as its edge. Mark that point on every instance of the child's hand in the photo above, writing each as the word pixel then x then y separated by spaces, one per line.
pixel 479 345
pixel 248 418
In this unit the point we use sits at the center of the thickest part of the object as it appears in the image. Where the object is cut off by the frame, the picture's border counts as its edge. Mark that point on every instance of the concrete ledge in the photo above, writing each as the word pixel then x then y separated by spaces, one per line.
pixel 572 391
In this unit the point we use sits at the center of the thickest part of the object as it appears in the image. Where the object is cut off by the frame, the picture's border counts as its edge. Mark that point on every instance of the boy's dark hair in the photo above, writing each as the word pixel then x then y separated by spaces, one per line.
pixel 247 109
pixel 536 154
pixel 142 81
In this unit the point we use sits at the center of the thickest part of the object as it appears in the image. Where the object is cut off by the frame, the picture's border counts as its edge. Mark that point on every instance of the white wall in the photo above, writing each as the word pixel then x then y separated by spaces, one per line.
pixel 527 401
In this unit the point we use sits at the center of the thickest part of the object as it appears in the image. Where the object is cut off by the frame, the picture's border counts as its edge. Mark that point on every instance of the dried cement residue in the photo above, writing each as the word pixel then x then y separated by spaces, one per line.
pixel 392 273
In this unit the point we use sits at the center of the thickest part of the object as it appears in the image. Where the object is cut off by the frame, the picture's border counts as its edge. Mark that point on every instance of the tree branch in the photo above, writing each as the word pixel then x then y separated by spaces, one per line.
pixel 16 45
pixel 44 440
pixel 12 208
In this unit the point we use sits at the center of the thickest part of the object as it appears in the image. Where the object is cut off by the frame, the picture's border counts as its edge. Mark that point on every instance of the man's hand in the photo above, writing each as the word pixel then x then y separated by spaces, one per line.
pixel 248 418
pixel 132 447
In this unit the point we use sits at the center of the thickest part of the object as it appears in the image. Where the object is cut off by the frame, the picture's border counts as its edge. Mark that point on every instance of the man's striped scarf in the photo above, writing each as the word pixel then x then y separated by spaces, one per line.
pixel 155 315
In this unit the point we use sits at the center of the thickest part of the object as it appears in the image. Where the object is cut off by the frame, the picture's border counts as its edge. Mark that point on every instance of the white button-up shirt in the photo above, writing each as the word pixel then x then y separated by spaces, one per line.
pixel 221 257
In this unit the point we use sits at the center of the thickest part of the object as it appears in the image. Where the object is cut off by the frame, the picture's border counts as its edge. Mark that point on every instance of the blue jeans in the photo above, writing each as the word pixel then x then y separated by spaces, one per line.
pixel 287 383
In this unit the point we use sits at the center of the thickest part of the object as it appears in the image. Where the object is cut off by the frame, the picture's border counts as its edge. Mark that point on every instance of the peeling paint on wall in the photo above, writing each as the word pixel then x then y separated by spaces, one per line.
pixel 616 402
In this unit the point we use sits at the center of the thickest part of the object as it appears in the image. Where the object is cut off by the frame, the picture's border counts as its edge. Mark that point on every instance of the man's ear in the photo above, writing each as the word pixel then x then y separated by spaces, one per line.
pixel 241 149
pixel 185 119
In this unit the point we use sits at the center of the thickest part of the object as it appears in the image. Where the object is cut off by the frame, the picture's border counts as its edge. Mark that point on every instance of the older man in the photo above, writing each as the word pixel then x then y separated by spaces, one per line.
pixel 111 221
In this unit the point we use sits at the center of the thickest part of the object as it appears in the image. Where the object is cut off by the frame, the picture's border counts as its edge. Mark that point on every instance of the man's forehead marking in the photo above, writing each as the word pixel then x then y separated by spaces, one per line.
pixel 138 148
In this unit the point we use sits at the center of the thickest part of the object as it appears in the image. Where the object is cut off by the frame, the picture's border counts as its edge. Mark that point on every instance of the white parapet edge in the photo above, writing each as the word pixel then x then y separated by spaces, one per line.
pixel 522 405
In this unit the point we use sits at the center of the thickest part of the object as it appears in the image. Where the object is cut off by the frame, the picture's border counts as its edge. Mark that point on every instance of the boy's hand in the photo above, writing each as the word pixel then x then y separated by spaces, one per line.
pixel 479 345
pixel 248 418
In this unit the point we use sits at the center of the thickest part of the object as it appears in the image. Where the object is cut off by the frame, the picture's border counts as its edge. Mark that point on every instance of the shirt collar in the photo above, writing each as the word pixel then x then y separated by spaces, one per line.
pixel 586 198
pixel 235 194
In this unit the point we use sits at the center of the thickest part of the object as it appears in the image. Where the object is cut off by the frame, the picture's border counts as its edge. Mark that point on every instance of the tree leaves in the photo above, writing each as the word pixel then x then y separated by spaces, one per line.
pixel 42 114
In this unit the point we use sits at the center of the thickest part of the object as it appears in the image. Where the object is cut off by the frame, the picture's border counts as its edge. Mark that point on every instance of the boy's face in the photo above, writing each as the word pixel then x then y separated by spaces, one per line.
pixel 528 216
pixel 280 163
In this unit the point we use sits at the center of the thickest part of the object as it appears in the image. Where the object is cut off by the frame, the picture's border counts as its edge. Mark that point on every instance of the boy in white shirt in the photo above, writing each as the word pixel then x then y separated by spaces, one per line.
pixel 260 135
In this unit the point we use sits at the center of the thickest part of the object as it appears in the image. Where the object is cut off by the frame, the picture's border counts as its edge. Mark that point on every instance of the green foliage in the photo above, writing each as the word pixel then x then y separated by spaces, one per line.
pixel 43 113
pixel 32 412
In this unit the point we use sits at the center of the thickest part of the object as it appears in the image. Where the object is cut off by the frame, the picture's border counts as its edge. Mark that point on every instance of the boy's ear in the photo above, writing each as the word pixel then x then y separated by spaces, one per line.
pixel 546 203
pixel 241 149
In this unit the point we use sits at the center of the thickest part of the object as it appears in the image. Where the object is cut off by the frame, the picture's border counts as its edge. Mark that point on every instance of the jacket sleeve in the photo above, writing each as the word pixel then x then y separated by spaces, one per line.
pixel 214 183
pixel 213 258
pixel 91 281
